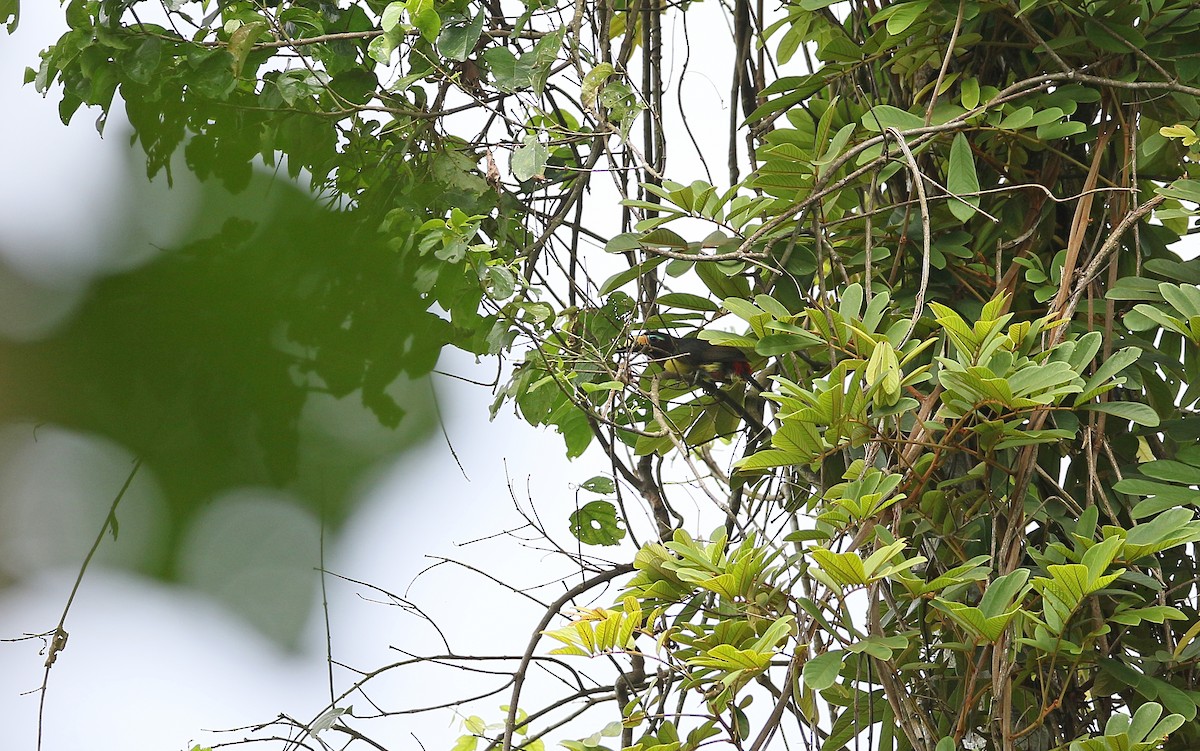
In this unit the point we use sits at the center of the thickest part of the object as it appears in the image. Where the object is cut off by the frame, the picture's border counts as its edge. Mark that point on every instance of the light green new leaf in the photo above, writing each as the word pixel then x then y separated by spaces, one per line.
pixel 1099 556
pixel 466 743
pixel 883 374
pixel 846 569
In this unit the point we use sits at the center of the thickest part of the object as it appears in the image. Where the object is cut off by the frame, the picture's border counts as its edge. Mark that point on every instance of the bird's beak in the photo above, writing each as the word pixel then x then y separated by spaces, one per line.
pixel 641 341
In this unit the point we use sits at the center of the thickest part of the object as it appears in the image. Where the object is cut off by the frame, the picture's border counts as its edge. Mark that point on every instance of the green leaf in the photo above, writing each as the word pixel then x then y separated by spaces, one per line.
pixel 821 672
pixel 392 15
pixel 621 278
pixel 213 77
pixel 10 13
pixel 1107 370
pixel 356 85
pixel 778 344
pixel 1001 592
pixel 380 50
pixel 1172 471
pixel 1142 414
pixel 962 180
pixel 743 309
pixel 510 73
pixel 146 59
pixel 688 301
pixel 1017 119
pixel 1057 130
pixel 457 42
pixel 970 92
pixel 599 484
pixel 1187 190
pixel 597 523
pixel 883 116
pixel 592 82
pixel 900 16
pixel 663 238
pixel 425 18
pixel 240 43
pixel 529 160
pixel 836 144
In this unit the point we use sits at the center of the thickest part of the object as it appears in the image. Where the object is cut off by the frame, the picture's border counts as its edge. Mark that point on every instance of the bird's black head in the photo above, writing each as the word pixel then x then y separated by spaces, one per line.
pixel 655 343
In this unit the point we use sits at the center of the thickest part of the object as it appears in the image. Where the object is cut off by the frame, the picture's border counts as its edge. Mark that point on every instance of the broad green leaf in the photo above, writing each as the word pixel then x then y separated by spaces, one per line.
pixel 10 14
pixel 1020 118
pixel 778 344
pixel 599 484
pixel 743 309
pixel 1108 369
pixel 241 41
pixel 974 621
pixel 622 278
pixel 1187 190
pixel 529 160
pixel 392 15
pixel 1056 130
pixel 884 116
pixel 511 74
pixel 380 50
pixel 425 18
pixel 961 179
pixel 1142 414
pixel 458 42
pixel 901 15
pixel 970 92
pixel 821 672
pixel 1172 471
pixel 597 523
pixel 663 238
pixel 1001 592
pixel 1185 299
pixel 687 301
pixel 592 82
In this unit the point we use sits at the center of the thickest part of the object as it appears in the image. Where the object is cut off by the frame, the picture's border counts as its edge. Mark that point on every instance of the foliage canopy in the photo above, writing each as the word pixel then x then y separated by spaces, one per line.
pixel 960 513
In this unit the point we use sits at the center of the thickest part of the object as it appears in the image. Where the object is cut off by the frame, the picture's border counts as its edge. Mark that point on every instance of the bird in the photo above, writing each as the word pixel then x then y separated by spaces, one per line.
pixel 688 358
